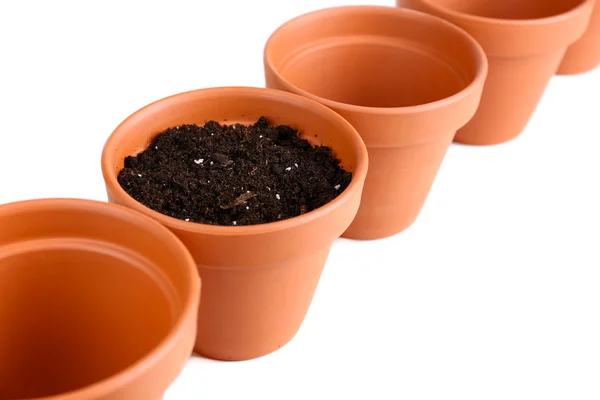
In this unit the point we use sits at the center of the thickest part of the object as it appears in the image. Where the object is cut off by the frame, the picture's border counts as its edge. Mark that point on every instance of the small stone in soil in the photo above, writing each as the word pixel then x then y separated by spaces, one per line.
pixel 239 158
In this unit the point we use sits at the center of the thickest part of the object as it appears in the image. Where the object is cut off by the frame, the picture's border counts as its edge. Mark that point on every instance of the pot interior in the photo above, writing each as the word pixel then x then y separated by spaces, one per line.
pixel 372 74
pixel 510 9
pixel 72 317
pixel 373 57
pixel 84 294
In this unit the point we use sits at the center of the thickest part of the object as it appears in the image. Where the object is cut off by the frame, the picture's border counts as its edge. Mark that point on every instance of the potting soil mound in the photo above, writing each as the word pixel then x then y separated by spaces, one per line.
pixel 233 174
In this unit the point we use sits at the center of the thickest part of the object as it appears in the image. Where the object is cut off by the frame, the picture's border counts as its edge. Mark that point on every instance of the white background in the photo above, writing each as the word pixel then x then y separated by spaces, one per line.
pixel 493 294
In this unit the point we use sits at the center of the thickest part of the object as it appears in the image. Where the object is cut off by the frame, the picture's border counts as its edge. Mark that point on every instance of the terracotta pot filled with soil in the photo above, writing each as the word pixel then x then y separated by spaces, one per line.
pixel 525 42
pixel 584 55
pixel 258 184
pixel 96 302
pixel 405 80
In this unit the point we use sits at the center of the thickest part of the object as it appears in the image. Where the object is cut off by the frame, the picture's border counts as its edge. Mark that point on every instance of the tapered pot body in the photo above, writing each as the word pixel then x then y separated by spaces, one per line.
pixel 584 55
pixel 525 42
pixel 258 280
pixel 405 80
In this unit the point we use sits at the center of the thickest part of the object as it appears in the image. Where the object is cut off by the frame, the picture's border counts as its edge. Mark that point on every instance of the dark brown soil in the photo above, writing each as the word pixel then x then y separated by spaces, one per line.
pixel 233 175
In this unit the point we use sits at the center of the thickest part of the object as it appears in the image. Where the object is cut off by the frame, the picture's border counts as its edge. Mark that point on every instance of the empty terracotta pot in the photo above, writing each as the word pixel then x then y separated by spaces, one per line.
pixel 97 302
pixel 525 41
pixel 406 81
pixel 257 281
pixel 584 55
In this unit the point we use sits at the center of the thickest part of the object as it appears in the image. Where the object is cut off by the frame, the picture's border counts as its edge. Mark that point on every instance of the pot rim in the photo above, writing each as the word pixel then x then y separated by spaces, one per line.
pixel 510 22
pixel 136 370
pixel 358 175
pixel 477 82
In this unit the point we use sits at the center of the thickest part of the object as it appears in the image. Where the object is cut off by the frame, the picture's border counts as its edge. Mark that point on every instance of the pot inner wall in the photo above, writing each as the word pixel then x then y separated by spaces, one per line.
pixel 510 9
pixel 71 316
pixel 373 72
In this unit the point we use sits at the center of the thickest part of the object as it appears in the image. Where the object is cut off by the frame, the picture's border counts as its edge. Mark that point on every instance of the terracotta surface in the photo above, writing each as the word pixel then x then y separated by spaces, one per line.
pixel 406 81
pixel 96 302
pixel 525 41
pixel 584 55
pixel 257 281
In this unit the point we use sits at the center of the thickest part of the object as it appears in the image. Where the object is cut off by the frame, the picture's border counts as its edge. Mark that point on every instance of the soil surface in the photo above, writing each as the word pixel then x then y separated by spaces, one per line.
pixel 233 174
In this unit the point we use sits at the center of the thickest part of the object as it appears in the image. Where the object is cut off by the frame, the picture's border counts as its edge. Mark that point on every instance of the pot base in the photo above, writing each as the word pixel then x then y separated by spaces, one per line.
pixel 576 63
pixel 477 140
pixel 379 232
pixel 200 351
pixel 576 68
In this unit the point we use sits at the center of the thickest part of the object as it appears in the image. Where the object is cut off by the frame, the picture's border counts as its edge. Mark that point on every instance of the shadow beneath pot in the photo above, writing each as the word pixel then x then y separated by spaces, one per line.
pixel 199 357
pixel 488 144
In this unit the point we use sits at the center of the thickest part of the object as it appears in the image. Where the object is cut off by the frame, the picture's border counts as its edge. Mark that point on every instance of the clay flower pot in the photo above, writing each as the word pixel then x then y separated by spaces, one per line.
pixel 584 55
pixel 525 41
pixel 406 81
pixel 97 302
pixel 257 281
